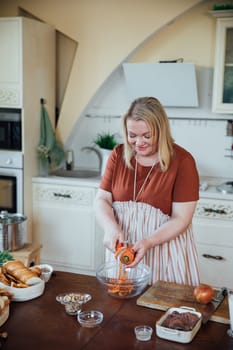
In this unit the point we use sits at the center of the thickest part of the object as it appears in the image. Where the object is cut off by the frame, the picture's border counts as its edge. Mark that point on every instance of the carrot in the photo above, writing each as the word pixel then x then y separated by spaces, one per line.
pixel 126 254
pixel 122 286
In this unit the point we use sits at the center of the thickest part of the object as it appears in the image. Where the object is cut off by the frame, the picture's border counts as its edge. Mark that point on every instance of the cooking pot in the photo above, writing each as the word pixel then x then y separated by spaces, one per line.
pixel 12 231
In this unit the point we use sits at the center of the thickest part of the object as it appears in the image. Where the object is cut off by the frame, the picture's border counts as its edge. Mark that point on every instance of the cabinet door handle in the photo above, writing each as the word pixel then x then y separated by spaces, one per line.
pixel 215 257
pixel 216 211
pixel 56 194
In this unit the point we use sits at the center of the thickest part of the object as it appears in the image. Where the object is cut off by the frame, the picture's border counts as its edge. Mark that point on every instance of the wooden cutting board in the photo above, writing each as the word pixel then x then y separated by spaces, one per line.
pixel 163 295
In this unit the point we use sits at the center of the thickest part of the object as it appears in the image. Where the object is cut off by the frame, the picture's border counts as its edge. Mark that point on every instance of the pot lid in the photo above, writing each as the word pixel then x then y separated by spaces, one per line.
pixel 226 187
pixel 6 218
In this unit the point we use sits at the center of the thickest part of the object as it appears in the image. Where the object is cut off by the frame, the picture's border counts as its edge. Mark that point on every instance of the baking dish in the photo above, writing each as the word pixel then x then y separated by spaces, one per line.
pixel 180 336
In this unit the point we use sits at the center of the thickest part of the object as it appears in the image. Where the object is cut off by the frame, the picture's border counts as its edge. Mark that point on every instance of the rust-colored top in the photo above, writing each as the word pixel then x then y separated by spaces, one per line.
pixel 180 183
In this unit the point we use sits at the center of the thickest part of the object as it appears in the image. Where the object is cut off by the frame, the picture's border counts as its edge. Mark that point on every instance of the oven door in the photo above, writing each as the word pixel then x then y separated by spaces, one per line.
pixel 10 129
pixel 10 135
pixel 8 193
pixel 5 138
pixel 11 190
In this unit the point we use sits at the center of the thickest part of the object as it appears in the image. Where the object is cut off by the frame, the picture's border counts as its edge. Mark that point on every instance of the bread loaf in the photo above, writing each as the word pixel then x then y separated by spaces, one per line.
pixel 37 270
pixel 18 271
pixel 3 278
pixel 5 298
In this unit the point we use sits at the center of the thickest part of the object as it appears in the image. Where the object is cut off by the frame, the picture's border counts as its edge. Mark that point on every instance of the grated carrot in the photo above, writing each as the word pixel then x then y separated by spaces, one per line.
pixel 121 285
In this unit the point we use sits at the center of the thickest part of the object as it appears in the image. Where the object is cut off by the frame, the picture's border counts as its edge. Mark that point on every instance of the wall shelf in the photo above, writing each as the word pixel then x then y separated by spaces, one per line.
pixel 170 118
pixel 102 116
pixel 222 13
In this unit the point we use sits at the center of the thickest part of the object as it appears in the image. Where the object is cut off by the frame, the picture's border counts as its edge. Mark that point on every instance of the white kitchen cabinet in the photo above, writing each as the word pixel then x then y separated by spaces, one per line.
pixel 11 62
pixel 222 101
pixel 64 224
pixel 213 232
pixel 27 74
pixel 27 55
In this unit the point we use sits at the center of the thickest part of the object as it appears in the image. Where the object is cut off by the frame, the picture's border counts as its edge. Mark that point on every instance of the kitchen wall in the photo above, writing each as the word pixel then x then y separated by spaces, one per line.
pixel 111 32
pixel 106 31
pixel 204 132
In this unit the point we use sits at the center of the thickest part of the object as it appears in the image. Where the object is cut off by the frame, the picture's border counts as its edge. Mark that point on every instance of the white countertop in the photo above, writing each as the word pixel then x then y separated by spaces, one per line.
pixel 70 181
pixel 209 192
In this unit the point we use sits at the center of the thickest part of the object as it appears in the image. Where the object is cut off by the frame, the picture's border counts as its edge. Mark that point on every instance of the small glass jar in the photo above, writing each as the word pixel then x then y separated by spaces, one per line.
pixel 143 332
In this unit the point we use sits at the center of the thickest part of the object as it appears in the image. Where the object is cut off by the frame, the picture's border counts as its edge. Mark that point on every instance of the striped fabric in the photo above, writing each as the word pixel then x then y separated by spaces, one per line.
pixel 173 261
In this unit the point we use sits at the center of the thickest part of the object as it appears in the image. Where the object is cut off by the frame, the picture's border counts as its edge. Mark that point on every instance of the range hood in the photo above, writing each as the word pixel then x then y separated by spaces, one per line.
pixel 174 84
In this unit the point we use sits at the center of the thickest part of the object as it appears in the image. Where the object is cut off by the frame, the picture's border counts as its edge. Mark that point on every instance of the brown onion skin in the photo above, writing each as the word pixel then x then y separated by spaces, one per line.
pixel 203 293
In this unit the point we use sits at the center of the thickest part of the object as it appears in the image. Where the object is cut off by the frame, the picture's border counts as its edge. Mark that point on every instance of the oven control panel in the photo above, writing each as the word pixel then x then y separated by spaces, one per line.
pixel 9 159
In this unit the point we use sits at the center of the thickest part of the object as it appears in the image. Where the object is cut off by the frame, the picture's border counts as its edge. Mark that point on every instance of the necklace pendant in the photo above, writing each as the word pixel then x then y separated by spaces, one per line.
pixel 135 196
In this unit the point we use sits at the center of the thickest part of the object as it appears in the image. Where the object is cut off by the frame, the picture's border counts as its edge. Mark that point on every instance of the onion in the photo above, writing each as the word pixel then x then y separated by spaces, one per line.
pixel 203 293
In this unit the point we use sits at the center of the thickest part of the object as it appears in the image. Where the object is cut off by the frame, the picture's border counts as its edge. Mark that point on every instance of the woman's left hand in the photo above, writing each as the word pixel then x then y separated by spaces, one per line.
pixel 140 248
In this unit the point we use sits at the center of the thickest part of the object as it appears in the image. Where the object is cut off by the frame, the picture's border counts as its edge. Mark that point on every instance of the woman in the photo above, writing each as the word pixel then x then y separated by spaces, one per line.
pixel 148 195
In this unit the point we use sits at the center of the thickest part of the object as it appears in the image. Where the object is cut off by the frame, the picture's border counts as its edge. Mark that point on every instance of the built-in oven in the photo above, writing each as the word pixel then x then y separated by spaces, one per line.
pixel 10 129
pixel 11 182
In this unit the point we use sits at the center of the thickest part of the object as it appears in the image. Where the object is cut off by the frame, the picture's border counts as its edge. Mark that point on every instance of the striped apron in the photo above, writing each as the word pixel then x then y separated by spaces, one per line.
pixel 173 261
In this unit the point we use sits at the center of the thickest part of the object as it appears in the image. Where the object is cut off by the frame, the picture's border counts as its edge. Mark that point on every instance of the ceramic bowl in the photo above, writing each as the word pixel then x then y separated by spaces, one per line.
pixel 46 272
pixel 133 283
pixel 24 294
pixel 90 319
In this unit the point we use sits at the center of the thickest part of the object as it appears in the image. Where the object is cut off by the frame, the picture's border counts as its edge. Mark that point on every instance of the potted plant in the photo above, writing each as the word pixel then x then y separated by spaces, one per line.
pixel 5 256
pixel 106 142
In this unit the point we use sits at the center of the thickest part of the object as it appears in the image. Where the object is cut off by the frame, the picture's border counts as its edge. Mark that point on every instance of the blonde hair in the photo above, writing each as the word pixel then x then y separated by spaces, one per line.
pixel 150 110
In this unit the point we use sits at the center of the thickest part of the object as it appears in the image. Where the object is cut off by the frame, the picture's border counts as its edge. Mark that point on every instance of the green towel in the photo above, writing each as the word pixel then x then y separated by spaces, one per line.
pixel 50 151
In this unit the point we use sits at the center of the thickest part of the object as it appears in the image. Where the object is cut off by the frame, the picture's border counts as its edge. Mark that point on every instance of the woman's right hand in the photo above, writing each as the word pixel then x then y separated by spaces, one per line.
pixel 107 220
pixel 111 238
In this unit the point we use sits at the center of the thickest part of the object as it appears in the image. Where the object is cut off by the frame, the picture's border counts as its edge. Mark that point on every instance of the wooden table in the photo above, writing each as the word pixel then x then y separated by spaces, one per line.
pixel 42 324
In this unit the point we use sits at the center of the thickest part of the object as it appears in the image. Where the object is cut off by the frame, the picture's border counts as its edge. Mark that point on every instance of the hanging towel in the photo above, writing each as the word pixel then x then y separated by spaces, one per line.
pixel 50 151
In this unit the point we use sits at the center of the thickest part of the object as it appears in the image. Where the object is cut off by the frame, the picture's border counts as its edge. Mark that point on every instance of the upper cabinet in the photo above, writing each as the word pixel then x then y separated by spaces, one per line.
pixel 11 62
pixel 223 70
pixel 27 74
pixel 27 61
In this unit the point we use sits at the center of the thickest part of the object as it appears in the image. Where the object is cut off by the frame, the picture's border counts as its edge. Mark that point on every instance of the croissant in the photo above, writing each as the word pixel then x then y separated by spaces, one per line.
pixel 20 272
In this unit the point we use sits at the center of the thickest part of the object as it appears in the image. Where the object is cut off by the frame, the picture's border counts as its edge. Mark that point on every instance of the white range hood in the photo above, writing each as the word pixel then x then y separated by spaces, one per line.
pixel 174 84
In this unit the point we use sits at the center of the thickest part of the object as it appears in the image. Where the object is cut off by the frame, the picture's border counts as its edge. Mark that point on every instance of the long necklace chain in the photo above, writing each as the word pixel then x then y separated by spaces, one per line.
pixel 135 197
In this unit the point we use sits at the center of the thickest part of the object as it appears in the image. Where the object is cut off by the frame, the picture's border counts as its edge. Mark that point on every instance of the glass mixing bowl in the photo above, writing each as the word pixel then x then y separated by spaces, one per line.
pixel 122 282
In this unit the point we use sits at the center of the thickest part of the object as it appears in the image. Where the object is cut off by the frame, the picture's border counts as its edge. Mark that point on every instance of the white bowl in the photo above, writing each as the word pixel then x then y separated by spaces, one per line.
pixel 23 294
pixel 46 271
